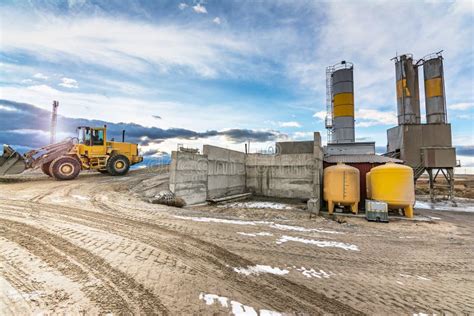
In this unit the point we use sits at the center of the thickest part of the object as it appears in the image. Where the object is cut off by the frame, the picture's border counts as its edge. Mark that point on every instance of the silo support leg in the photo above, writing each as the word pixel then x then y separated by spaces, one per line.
pixel 431 183
pixel 330 207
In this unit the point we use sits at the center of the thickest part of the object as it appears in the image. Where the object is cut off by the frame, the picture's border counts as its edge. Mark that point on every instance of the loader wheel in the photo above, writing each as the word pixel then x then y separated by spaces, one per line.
pixel 45 168
pixel 118 165
pixel 65 168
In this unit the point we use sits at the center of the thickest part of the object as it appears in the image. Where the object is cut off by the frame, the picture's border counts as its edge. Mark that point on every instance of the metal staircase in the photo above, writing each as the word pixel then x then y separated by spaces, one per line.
pixel 418 171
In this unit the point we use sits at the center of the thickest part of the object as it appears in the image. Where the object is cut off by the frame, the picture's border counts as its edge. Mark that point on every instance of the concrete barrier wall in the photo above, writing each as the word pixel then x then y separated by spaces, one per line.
pixel 188 176
pixel 288 176
pixel 221 172
pixel 226 172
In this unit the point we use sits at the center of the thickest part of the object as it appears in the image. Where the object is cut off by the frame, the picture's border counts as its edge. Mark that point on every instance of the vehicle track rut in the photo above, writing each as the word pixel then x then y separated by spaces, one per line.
pixel 209 259
pixel 114 291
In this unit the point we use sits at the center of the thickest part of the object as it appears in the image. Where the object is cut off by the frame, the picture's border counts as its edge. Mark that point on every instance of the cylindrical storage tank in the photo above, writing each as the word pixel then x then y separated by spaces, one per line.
pixel 408 91
pixel 367 185
pixel 393 184
pixel 341 187
pixel 343 104
pixel 434 91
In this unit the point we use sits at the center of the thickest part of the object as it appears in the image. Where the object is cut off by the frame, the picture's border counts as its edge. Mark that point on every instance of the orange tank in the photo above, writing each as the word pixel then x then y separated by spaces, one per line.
pixel 393 184
pixel 341 187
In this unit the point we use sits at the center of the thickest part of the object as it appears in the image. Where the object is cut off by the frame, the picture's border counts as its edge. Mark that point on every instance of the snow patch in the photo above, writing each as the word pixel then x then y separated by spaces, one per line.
pixel 418 277
pixel 255 223
pixel 319 243
pixel 303 229
pixel 311 273
pixel 216 220
pixel 17 296
pixel 255 234
pixel 463 205
pixel 257 269
pixel 258 205
pixel 80 197
pixel 236 307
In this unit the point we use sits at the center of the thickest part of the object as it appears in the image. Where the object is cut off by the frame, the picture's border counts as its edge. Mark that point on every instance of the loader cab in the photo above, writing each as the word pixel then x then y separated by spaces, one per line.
pixel 93 139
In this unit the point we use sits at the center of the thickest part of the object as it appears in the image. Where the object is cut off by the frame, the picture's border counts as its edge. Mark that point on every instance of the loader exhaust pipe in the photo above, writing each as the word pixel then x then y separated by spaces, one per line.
pixel 123 136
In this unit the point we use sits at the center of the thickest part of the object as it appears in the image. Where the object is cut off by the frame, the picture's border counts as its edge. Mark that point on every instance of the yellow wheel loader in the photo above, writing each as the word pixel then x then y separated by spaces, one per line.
pixel 64 160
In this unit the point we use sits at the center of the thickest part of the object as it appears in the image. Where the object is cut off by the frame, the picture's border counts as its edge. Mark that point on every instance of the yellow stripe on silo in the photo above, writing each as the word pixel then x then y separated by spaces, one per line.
pixel 343 104
pixel 402 85
pixel 433 87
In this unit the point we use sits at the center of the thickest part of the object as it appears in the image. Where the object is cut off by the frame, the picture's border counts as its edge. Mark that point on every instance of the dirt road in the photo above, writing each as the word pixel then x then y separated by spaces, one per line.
pixel 93 246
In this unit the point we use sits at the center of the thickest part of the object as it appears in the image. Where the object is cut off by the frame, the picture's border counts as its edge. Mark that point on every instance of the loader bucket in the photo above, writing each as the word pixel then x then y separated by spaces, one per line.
pixel 11 162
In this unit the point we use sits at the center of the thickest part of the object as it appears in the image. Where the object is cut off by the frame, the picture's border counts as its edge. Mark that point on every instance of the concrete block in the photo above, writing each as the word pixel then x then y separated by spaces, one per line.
pixel 313 206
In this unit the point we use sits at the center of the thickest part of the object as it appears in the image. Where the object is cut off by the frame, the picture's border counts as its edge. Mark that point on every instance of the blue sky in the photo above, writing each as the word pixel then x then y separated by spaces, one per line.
pixel 254 67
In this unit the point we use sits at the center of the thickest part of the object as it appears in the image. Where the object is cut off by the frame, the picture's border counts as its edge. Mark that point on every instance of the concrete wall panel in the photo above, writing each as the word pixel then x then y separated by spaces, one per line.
pixel 188 176
pixel 288 176
pixel 226 172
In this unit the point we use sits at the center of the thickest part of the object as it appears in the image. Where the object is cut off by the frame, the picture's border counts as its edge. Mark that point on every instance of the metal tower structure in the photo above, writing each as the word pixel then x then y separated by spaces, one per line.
pixel 54 121
pixel 329 127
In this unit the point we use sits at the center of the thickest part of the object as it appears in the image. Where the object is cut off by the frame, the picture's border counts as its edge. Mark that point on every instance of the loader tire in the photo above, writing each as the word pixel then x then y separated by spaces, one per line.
pixel 118 165
pixel 45 168
pixel 65 168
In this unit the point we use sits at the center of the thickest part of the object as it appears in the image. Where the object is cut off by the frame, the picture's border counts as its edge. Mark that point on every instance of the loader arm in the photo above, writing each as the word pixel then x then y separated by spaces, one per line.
pixel 12 162
pixel 36 157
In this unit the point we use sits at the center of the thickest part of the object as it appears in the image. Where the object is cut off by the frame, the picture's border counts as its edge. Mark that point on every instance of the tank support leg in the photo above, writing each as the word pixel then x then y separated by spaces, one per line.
pixel 355 208
pixel 330 207
pixel 408 211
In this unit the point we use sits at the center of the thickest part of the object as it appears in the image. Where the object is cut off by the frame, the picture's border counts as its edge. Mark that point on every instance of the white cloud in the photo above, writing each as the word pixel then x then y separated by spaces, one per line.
pixel 8 108
pixel 26 81
pixel 371 41
pixel 69 83
pixel 42 89
pixel 461 106
pixel 302 135
pixel 464 116
pixel 289 124
pixel 124 109
pixel 320 115
pixel 367 117
pixel 40 76
pixel 126 45
pixel 370 117
pixel 217 20
pixel 198 8
pixel 182 6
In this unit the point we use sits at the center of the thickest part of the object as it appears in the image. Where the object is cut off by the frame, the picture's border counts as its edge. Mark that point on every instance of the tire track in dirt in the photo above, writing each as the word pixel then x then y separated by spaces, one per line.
pixel 117 292
pixel 277 293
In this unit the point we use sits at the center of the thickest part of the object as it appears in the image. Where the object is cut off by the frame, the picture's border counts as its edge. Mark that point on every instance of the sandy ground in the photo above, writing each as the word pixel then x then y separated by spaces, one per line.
pixel 93 246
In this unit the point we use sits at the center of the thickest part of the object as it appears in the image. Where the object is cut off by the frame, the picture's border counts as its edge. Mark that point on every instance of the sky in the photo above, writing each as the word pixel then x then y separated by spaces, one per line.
pixel 221 72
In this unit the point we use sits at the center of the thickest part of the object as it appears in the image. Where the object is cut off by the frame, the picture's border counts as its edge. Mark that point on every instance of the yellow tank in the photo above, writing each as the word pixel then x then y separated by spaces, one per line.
pixel 393 184
pixel 341 187
pixel 367 185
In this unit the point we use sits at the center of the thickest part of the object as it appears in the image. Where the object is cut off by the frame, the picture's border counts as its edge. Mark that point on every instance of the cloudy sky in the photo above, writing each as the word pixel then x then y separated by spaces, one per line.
pixel 221 72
